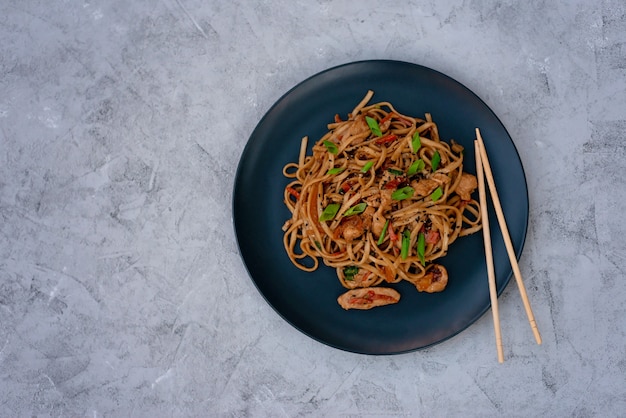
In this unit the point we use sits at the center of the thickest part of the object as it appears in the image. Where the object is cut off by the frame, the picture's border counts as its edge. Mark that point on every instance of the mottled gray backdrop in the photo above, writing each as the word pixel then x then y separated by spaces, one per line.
pixel 122 292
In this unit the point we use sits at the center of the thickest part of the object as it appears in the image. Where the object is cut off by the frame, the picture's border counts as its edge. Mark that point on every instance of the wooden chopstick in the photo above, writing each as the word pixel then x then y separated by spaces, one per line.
pixel 505 234
pixel 493 294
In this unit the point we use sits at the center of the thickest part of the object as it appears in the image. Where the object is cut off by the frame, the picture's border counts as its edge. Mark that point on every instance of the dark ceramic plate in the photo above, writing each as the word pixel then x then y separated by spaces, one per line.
pixel 308 300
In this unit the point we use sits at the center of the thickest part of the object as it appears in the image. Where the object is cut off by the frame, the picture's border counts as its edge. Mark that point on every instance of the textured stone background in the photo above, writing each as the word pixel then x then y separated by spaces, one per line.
pixel 121 289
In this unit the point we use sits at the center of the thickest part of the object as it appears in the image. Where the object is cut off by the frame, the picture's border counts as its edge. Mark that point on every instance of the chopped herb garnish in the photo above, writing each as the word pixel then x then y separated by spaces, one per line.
pixel 436 194
pixel 406 241
pixel 373 124
pixel 382 234
pixel 331 147
pixel 356 209
pixel 416 143
pixel 395 172
pixel 335 170
pixel 318 245
pixel 416 166
pixel 435 161
pixel 421 247
pixel 349 272
pixel 367 167
pixel 403 193
pixel 329 212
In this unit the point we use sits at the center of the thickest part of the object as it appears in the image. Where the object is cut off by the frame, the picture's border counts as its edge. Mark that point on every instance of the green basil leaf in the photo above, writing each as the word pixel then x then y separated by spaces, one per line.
pixel 331 147
pixel 335 170
pixel 403 193
pixel 435 161
pixel 374 127
pixel 417 165
pixel 329 212
pixel 436 194
pixel 421 247
pixel 356 209
pixel 416 143
pixel 382 234
pixel 367 167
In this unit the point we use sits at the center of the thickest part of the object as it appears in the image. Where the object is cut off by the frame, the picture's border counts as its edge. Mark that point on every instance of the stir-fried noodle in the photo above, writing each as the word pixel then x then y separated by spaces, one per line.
pixel 380 199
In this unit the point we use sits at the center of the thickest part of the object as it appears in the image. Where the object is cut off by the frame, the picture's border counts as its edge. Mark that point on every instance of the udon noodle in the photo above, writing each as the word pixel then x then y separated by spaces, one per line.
pixel 380 199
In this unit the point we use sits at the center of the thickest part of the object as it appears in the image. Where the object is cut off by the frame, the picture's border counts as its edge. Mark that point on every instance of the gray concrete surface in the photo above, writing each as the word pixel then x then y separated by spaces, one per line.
pixel 122 292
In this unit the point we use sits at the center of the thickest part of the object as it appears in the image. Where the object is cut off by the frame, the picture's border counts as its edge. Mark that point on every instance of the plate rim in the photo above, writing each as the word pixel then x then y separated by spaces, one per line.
pixel 249 144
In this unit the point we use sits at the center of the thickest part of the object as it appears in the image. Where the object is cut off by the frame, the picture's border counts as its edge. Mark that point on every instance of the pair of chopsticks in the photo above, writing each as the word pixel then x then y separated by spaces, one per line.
pixel 483 170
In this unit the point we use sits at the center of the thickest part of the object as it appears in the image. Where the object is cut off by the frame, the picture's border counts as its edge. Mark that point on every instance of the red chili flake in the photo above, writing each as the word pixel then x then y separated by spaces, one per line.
pixel 386 139
pixel 293 192
pixel 395 183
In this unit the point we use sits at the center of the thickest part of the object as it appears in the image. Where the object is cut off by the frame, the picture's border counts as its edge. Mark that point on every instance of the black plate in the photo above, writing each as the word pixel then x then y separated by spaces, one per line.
pixel 308 300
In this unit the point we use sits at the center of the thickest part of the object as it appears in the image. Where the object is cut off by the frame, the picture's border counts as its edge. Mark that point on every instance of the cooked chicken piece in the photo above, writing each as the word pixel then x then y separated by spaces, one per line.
pixel 368 298
pixel 354 226
pixel 435 279
pixel 367 217
pixel 350 228
pixel 424 187
pixel 359 126
pixel 466 186
pixel 385 199
pixel 378 222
